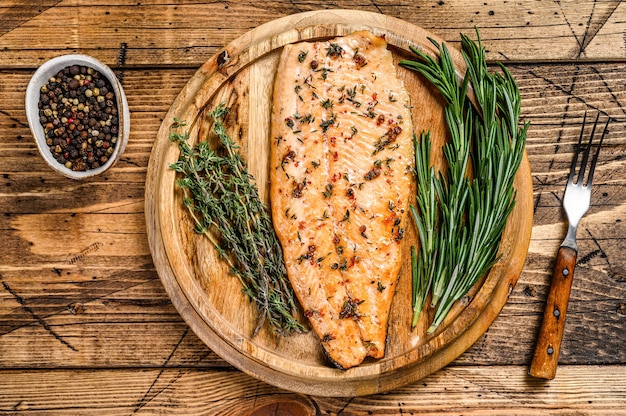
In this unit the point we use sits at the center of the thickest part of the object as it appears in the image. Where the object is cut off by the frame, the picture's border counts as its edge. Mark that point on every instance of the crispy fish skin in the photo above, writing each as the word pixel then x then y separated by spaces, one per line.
pixel 340 180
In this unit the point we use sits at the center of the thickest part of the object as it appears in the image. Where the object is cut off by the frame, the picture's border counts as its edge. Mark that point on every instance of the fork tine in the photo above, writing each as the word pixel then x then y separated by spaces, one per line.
pixel 595 156
pixel 583 165
pixel 572 169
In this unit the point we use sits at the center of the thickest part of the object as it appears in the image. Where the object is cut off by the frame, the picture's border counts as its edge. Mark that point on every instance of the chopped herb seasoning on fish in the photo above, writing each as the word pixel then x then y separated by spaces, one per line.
pixel 340 183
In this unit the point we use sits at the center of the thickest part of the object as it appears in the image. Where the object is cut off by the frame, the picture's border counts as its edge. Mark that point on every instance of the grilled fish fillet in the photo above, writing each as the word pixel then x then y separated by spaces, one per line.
pixel 339 186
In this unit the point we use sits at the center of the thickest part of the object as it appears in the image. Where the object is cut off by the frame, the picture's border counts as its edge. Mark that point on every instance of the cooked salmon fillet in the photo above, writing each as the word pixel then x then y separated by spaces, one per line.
pixel 340 180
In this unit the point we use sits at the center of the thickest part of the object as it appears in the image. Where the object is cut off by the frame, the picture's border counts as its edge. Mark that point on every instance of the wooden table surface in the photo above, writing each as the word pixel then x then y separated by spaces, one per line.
pixel 85 324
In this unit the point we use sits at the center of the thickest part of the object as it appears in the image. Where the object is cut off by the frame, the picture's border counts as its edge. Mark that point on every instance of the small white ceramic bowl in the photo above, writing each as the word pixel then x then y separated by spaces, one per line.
pixel 41 77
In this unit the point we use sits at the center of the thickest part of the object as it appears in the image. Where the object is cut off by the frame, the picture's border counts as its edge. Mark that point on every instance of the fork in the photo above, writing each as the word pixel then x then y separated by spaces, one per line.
pixel 575 203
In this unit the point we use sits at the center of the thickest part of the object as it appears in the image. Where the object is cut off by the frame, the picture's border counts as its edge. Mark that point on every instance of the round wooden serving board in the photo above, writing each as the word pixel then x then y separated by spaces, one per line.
pixel 209 298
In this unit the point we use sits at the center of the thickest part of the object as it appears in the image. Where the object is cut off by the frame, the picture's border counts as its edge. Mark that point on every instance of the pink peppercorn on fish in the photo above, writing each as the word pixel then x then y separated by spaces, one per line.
pixel 340 181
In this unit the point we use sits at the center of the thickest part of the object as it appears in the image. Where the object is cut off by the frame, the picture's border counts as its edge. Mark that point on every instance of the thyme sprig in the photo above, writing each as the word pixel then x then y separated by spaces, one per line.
pixel 460 218
pixel 223 201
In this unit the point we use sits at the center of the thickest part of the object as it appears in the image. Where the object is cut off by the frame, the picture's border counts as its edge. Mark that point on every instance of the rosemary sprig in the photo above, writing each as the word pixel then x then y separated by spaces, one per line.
pixel 460 219
pixel 224 203
pixel 423 266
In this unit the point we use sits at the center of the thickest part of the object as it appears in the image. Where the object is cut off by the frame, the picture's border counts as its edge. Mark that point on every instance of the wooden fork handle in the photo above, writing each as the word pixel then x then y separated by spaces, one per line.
pixel 548 346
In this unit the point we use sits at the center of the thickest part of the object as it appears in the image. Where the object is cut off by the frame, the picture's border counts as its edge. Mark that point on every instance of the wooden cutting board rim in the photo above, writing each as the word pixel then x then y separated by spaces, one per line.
pixel 256 360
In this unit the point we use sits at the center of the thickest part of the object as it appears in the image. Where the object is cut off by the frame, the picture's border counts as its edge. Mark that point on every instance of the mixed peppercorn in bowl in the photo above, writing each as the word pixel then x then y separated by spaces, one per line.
pixel 78 113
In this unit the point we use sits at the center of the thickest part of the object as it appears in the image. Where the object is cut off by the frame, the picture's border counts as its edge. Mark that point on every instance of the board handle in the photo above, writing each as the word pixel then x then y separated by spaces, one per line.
pixel 548 346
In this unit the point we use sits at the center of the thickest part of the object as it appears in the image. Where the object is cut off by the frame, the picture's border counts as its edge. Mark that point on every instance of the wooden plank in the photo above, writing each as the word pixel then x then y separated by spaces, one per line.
pixel 519 31
pixel 107 320
pixel 501 390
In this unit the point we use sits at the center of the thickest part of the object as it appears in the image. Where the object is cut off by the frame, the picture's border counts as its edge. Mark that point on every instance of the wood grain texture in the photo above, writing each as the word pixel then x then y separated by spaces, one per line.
pixel 517 31
pixel 546 357
pixel 132 352
pixel 499 390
